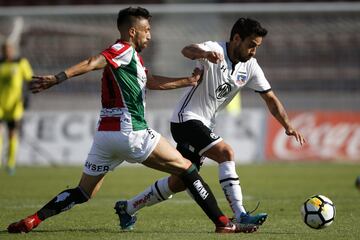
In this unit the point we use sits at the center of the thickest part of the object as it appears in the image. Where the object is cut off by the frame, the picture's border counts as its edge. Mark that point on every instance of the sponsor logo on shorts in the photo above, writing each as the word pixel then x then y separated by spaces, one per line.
pixel 151 133
pixel 97 168
pixel 201 190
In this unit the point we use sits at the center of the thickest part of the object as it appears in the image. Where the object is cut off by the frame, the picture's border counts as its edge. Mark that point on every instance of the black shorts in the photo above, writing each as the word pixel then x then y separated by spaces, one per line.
pixel 11 124
pixel 193 138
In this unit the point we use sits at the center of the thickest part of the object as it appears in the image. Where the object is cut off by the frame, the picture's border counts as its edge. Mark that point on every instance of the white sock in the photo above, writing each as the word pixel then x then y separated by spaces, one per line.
pixel 154 194
pixel 230 183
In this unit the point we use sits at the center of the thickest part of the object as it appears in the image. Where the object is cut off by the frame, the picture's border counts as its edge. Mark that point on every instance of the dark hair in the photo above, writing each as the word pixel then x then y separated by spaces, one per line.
pixel 128 16
pixel 246 27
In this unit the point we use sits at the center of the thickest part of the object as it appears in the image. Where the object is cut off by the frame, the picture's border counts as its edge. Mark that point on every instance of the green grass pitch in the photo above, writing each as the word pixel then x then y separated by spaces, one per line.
pixel 281 188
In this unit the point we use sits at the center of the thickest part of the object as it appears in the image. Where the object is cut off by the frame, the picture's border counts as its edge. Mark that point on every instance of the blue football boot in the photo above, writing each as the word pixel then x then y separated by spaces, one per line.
pixel 127 221
pixel 247 219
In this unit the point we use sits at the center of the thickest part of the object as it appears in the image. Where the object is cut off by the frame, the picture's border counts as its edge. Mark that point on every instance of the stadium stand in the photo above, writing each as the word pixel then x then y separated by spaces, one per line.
pixel 305 52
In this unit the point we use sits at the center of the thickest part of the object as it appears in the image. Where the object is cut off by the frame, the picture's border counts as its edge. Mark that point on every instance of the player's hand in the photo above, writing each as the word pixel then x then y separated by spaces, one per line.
pixel 214 57
pixel 40 83
pixel 299 138
pixel 196 76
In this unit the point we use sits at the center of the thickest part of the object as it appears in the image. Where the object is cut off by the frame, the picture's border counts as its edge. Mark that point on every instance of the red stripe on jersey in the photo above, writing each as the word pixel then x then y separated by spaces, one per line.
pixel 111 96
pixel 115 50
pixel 109 124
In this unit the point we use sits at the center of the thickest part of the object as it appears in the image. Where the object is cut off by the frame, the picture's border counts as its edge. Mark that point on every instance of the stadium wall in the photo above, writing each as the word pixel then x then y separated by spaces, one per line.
pixel 64 138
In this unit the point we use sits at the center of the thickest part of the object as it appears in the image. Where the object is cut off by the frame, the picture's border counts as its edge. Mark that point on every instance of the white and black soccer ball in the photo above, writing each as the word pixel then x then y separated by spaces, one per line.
pixel 318 212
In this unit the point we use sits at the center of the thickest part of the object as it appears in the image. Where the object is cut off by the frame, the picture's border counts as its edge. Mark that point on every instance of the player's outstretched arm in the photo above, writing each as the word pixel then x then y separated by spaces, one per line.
pixel 40 83
pixel 166 83
pixel 194 52
pixel 278 111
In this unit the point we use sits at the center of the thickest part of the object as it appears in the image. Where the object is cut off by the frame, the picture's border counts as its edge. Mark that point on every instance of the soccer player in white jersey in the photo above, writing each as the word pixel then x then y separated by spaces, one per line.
pixel 123 134
pixel 228 67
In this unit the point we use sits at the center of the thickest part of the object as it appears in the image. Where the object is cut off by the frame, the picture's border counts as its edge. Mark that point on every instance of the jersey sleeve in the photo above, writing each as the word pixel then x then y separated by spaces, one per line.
pixel 26 69
pixel 206 46
pixel 257 81
pixel 118 54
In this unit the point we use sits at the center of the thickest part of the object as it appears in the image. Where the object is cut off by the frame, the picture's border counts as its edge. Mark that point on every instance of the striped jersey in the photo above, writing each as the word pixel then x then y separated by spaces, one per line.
pixel 219 85
pixel 123 89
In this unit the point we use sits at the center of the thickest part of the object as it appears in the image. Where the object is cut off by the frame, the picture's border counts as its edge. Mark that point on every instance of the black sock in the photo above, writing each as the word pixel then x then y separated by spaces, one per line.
pixel 202 195
pixel 62 202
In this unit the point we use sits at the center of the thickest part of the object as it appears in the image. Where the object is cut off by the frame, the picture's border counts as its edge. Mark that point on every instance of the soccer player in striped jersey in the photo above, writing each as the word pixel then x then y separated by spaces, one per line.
pixel 14 73
pixel 228 67
pixel 123 134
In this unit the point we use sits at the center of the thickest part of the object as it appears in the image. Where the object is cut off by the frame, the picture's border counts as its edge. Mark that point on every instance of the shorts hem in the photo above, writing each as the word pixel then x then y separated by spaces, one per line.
pixel 94 174
pixel 201 152
pixel 158 136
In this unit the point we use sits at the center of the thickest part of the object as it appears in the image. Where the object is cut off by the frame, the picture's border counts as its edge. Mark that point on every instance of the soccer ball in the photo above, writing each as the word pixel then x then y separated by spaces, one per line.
pixel 318 212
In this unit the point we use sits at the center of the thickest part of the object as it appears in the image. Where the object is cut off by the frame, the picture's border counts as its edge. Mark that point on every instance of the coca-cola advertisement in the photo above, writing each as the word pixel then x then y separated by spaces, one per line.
pixel 330 136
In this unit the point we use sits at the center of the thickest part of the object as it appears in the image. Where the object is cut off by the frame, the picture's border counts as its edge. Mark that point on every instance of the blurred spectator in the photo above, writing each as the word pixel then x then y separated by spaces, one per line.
pixel 234 107
pixel 13 72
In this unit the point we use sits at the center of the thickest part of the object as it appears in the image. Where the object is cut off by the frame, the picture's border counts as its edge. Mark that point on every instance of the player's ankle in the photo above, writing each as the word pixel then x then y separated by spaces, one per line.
pixel 222 221
pixel 36 219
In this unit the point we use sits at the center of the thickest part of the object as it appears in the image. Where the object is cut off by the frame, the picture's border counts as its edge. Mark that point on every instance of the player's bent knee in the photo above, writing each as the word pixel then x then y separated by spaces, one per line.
pixel 175 184
pixel 187 164
pixel 182 163
pixel 228 154
pixel 181 168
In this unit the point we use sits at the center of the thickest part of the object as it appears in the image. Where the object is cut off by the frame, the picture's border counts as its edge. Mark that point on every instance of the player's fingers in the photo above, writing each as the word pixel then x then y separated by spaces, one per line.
pixel 34 85
pixel 197 73
pixel 194 79
pixel 297 137
pixel 193 83
pixel 37 86
pixel 302 140
pixel 220 56
pixel 218 59
pixel 213 59
pixel 35 90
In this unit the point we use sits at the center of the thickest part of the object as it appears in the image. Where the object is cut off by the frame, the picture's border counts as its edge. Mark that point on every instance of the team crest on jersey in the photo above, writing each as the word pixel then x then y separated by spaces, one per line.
pixel 223 90
pixel 241 78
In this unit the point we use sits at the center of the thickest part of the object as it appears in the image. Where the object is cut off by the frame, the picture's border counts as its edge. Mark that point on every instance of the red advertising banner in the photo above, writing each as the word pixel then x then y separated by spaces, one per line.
pixel 329 136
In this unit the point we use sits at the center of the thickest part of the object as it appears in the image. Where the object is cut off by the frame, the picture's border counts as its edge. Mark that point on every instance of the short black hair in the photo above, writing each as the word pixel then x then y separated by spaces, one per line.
pixel 128 16
pixel 246 27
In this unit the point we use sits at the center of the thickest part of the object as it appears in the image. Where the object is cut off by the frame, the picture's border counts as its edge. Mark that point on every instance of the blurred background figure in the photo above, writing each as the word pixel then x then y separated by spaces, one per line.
pixel 234 107
pixel 14 71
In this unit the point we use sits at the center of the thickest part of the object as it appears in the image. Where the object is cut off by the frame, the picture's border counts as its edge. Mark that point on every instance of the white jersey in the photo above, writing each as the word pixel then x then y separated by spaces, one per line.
pixel 220 83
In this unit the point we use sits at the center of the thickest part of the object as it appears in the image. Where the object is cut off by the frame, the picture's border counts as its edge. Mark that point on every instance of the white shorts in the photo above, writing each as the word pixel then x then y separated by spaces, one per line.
pixel 111 148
